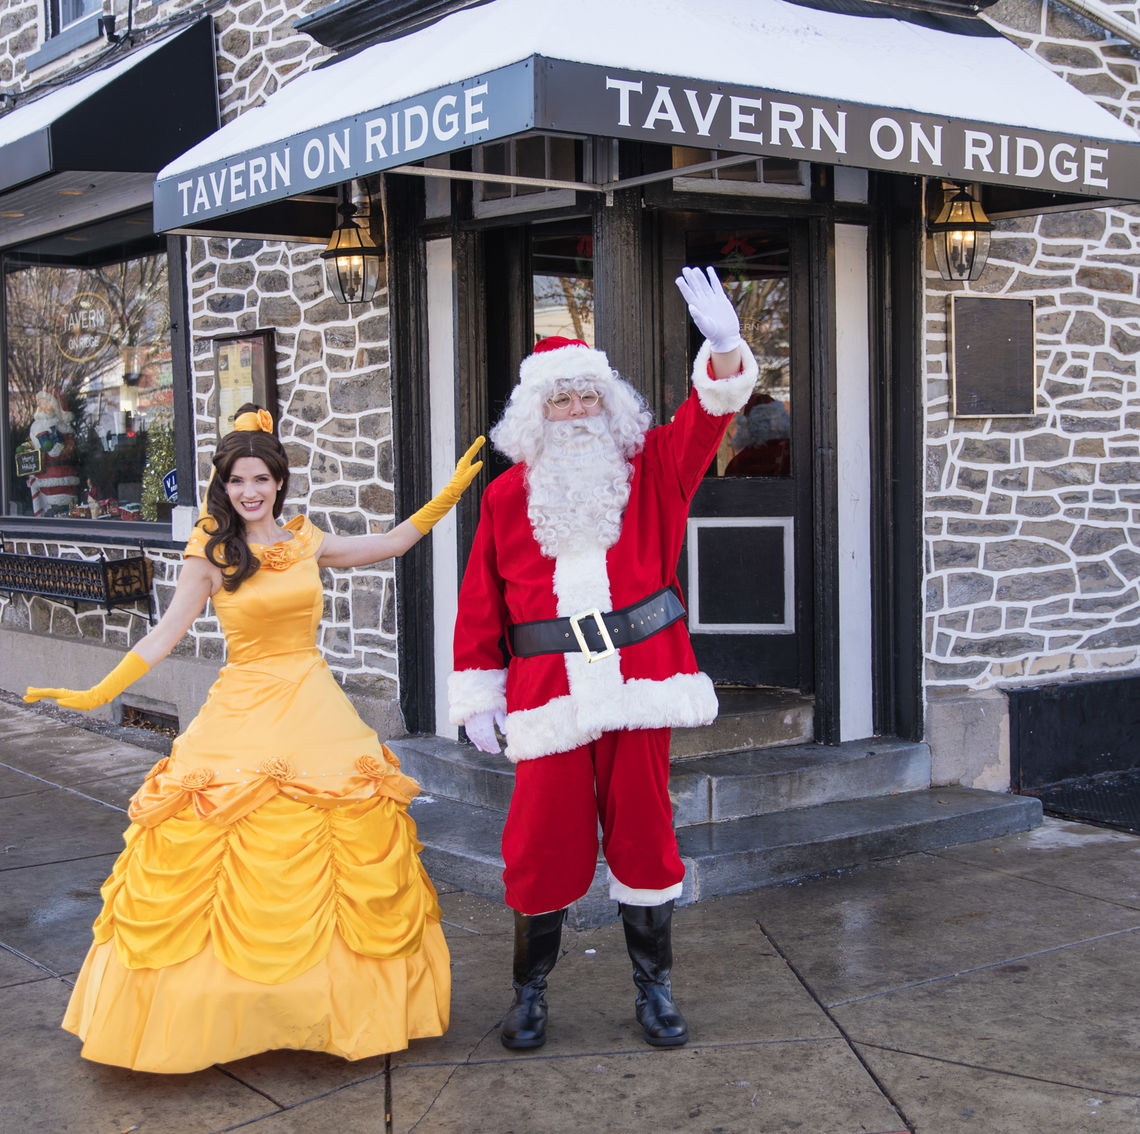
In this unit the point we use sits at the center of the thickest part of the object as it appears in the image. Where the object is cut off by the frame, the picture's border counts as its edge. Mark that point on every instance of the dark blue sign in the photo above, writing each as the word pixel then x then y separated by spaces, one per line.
pixel 170 484
pixel 449 118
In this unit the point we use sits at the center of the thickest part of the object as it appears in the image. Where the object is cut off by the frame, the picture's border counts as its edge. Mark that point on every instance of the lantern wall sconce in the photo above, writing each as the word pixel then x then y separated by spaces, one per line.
pixel 960 233
pixel 353 258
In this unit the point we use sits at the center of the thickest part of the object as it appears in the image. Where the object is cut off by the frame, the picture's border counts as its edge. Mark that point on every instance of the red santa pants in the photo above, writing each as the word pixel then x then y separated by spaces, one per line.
pixel 550 839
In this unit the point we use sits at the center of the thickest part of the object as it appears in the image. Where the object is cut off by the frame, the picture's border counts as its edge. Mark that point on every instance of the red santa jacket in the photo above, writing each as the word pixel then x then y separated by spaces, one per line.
pixel 555 702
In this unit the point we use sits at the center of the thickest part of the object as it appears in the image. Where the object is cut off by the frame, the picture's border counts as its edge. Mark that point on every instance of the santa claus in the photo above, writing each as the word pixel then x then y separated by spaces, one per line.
pixel 56 487
pixel 574 565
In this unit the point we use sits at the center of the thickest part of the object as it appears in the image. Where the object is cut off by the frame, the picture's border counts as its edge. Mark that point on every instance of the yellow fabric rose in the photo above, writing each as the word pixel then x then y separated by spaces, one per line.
pixel 278 768
pixel 197 779
pixel 371 767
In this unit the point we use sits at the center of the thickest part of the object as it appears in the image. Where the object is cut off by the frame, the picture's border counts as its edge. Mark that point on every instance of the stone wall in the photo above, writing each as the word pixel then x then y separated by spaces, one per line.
pixel 19 37
pixel 259 50
pixel 258 47
pixel 1080 51
pixel 1033 524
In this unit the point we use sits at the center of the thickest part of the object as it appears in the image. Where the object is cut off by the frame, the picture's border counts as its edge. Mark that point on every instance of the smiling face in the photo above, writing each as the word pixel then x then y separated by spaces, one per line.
pixel 251 489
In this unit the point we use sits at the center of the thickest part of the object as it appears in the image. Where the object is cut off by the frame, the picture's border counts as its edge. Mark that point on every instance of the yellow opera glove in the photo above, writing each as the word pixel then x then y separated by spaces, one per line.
pixel 438 506
pixel 130 669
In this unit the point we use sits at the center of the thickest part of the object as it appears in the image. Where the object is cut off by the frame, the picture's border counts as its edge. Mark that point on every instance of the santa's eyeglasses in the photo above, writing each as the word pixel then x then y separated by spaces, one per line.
pixel 564 399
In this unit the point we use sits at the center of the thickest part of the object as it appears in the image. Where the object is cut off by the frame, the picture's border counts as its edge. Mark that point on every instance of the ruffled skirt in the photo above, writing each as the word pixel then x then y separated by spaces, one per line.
pixel 295 926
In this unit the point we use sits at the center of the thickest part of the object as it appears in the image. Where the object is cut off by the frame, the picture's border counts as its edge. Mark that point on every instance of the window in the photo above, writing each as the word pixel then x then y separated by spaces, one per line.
pixel 754 264
pixel 562 281
pixel 63 13
pixel 757 177
pixel 548 157
pixel 89 376
pixel 68 25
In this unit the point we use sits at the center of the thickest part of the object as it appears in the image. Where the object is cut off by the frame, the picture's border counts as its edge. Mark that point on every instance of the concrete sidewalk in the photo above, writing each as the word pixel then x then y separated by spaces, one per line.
pixel 988 988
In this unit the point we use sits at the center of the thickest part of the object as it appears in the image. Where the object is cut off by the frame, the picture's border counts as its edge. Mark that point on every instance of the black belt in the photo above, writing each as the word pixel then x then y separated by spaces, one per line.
pixel 594 634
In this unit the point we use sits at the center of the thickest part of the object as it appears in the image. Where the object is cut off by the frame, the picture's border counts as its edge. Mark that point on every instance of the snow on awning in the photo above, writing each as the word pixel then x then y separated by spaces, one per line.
pixel 769 77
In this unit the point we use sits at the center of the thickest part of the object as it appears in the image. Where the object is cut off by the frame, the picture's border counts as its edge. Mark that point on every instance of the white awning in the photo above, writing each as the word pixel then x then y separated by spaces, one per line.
pixel 888 93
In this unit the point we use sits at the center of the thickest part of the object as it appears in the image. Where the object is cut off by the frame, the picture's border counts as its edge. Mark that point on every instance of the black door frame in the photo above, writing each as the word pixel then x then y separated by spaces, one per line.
pixel 896 279
pixel 825 482
pixel 411 446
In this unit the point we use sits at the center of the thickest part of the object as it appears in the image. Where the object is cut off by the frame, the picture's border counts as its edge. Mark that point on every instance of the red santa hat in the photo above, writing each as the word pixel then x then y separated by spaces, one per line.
pixel 557 358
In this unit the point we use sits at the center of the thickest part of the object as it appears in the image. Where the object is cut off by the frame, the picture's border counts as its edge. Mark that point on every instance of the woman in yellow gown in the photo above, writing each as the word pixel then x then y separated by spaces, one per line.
pixel 270 894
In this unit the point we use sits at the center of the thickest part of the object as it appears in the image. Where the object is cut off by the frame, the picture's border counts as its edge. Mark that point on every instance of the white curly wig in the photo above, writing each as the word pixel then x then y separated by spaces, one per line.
pixel 568 364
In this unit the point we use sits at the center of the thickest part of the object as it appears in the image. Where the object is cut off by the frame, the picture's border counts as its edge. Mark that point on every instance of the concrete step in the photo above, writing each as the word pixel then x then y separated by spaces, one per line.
pixel 726 786
pixel 705 789
pixel 461 842
pixel 457 771
pixel 748 718
pixel 727 858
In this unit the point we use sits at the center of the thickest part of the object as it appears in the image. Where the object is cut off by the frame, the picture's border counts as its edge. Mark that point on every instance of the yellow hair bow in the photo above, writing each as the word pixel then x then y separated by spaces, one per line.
pixel 261 421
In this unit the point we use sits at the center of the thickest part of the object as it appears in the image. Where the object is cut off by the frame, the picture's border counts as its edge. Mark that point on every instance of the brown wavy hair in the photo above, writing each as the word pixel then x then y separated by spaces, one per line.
pixel 227 547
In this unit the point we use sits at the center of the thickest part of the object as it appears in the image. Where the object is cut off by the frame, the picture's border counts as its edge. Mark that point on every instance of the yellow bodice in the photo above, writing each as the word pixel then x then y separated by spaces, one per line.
pixel 278 609
pixel 275 721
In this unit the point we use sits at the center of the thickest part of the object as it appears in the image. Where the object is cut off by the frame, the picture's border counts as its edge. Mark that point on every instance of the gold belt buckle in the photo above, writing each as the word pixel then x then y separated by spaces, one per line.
pixel 596 615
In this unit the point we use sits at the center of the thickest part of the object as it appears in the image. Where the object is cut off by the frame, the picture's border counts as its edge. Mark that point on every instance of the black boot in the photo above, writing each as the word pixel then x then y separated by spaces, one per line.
pixel 650 947
pixel 537 941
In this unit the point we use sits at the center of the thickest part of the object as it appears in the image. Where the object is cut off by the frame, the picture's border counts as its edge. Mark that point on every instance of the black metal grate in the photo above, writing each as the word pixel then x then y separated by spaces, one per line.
pixel 1111 799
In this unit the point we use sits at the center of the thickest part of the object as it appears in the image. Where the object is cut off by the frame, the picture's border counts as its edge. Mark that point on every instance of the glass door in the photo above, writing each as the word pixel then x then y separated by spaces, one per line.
pixel 746 567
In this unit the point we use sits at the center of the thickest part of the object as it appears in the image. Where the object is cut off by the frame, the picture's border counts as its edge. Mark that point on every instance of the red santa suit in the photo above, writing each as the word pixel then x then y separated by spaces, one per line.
pixel 590 738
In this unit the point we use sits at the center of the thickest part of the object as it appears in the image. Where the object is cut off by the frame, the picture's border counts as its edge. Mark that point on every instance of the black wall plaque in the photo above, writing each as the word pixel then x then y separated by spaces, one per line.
pixel 993 357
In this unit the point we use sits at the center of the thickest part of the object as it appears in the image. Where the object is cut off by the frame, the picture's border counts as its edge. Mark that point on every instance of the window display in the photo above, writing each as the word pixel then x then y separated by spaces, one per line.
pixel 90 382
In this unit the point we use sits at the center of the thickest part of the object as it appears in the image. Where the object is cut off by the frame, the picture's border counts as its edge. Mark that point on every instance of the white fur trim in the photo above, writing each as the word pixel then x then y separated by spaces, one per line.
pixel 550 728
pixel 724 395
pixel 581 580
pixel 471 691
pixel 629 896
pixel 685 700
pixel 55 481
pixel 600 704
pixel 547 366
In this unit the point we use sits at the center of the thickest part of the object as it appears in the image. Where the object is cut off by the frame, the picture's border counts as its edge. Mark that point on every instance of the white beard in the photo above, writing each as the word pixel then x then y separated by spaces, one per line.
pixel 577 487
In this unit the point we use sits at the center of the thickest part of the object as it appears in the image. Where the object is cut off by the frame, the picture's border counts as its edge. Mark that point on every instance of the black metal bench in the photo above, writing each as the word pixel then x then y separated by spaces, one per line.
pixel 106 582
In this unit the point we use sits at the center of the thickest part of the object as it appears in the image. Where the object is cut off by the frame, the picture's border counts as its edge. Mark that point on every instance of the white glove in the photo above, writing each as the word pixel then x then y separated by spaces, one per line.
pixel 711 309
pixel 481 729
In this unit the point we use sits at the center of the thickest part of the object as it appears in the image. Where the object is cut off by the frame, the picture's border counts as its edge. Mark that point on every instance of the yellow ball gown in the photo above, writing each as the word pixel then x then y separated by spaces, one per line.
pixel 270 894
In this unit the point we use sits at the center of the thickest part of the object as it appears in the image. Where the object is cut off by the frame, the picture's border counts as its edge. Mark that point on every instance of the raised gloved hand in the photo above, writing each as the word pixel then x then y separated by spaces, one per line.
pixel 481 729
pixel 438 507
pixel 130 669
pixel 711 309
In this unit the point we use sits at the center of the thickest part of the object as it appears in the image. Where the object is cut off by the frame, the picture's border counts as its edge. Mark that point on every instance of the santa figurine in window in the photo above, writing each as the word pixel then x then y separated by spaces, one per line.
pixel 55 488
